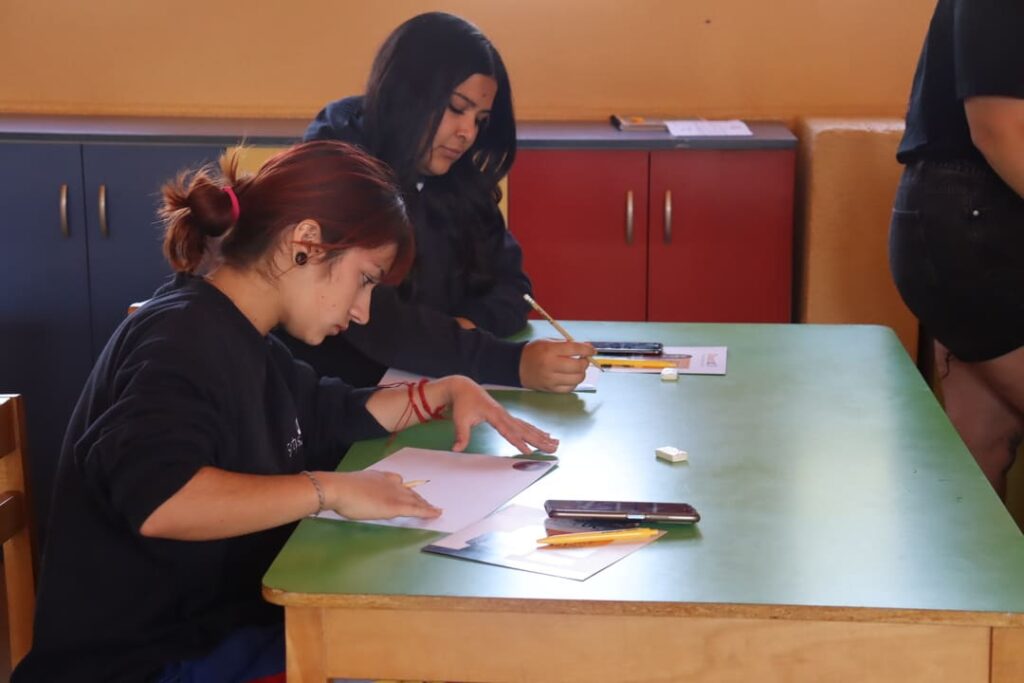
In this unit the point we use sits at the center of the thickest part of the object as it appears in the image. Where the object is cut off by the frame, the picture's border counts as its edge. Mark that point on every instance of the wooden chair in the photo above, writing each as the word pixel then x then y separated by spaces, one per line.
pixel 17 533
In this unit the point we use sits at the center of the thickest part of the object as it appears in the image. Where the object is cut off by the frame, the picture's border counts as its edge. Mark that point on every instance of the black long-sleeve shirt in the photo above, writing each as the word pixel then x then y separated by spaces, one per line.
pixel 414 329
pixel 184 383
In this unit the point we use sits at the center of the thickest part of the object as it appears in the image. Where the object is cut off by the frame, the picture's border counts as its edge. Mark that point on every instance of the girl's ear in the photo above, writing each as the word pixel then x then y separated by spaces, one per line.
pixel 307 231
pixel 305 241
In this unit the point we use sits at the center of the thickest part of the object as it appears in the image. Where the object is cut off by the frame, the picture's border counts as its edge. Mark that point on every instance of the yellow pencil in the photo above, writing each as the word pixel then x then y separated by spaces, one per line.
pixel 554 323
pixel 636 363
pixel 414 483
pixel 634 534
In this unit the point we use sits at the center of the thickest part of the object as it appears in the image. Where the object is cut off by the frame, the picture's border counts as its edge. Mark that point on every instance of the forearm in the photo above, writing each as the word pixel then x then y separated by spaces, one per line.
pixel 425 341
pixel 217 504
pixel 997 130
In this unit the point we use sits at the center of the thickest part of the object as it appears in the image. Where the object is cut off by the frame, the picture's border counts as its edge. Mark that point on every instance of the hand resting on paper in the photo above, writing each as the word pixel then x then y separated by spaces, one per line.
pixel 371 494
pixel 471 405
pixel 468 404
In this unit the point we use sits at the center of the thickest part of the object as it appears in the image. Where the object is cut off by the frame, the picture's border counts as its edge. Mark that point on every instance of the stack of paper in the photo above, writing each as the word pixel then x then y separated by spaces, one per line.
pixel 692 128
pixel 509 538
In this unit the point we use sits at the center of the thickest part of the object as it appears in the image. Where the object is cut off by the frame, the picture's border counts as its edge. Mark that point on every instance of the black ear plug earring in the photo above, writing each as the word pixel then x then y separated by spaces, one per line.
pixel 301 258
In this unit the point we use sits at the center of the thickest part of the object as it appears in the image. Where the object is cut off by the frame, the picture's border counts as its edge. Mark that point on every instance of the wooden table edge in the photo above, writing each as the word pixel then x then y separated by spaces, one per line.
pixel 651 609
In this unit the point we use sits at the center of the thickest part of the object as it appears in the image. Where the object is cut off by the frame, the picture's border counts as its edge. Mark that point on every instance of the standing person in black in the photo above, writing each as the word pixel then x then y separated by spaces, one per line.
pixel 199 441
pixel 438 110
pixel 957 234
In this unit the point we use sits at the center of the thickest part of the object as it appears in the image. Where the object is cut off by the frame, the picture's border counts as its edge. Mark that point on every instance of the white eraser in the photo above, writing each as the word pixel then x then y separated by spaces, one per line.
pixel 671 454
pixel 669 374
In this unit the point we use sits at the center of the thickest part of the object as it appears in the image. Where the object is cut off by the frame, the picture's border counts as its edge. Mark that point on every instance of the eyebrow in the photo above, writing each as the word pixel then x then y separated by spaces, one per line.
pixel 471 102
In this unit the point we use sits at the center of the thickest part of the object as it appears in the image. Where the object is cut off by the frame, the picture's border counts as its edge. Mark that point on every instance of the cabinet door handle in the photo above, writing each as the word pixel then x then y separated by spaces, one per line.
pixel 668 217
pixel 63 206
pixel 104 229
pixel 629 217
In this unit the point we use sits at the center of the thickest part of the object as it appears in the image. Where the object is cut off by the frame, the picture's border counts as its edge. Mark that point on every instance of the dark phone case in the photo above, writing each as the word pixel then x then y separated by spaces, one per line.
pixel 628 348
pixel 684 513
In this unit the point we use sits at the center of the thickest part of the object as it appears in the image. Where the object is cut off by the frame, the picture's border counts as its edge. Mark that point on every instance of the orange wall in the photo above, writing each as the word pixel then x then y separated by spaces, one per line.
pixel 567 58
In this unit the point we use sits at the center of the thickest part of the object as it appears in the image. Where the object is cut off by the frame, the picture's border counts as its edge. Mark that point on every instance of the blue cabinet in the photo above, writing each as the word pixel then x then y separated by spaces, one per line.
pixel 45 352
pixel 122 191
pixel 79 241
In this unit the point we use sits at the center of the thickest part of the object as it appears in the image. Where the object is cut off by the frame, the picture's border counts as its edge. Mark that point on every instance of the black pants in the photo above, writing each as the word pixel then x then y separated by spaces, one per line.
pixel 956 251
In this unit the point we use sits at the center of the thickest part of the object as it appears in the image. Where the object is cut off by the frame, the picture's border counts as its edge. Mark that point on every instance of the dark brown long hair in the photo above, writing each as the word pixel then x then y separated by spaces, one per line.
pixel 410 85
pixel 350 194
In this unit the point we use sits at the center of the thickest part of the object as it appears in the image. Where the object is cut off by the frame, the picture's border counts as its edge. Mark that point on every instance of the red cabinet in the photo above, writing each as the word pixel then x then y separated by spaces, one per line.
pixel 657 234
pixel 581 218
pixel 720 247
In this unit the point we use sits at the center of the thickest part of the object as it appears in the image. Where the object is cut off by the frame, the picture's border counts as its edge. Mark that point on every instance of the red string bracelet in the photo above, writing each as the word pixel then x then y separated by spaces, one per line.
pixel 412 402
pixel 434 414
pixel 406 415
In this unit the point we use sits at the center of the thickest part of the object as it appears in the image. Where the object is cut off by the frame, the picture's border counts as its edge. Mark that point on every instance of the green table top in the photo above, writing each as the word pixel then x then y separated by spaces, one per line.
pixel 825 472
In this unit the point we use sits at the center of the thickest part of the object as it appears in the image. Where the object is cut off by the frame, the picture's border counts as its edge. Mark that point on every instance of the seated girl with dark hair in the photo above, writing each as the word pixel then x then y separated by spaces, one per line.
pixel 438 110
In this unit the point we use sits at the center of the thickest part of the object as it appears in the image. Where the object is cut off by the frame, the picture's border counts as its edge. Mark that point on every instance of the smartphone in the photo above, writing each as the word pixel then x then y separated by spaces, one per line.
pixel 682 513
pixel 611 348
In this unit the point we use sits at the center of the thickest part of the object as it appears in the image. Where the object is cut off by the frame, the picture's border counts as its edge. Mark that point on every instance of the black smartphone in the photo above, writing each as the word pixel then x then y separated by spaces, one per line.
pixel 682 513
pixel 611 348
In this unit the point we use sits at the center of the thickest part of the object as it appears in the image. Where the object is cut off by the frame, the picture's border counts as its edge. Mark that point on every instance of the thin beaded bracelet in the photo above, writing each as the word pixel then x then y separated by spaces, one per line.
pixel 319 493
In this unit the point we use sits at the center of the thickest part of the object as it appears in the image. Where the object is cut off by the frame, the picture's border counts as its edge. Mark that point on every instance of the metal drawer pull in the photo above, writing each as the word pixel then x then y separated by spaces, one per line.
pixel 668 217
pixel 104 230
pixel 63 205
pixel 629 217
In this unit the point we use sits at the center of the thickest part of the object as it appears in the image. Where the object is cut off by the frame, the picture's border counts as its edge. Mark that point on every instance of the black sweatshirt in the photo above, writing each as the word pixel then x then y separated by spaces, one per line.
pixel 185 382
pixel 973 48
pixel 414 329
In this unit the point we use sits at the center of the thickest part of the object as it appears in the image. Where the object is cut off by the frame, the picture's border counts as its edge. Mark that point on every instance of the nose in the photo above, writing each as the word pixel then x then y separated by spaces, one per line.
pixel 467 129
pixel 359 312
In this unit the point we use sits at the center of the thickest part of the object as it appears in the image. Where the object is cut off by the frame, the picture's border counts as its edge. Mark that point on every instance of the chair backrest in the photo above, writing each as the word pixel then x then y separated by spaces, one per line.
pixel 17 532
pixel 250 159
pixel 848 175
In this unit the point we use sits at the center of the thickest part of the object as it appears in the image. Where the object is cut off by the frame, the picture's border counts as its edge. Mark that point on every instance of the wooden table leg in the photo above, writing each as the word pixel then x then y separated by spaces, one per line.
pixel 304 644
pixel 1007 655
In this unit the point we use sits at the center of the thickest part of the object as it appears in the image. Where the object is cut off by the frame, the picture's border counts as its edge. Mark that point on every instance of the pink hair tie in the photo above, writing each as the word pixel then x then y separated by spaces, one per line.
pixel 236 211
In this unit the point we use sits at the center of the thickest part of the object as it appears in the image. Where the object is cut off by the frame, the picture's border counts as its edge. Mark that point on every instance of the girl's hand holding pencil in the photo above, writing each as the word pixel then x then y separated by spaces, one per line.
pixel 549 365
pixel 561 330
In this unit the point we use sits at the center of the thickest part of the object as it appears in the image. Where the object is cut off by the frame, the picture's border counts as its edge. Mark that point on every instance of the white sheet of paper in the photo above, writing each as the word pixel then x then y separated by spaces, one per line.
pixel 467 486
pixel 691 128
pixel 509 538
pixel 589 383
pixel 704 360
